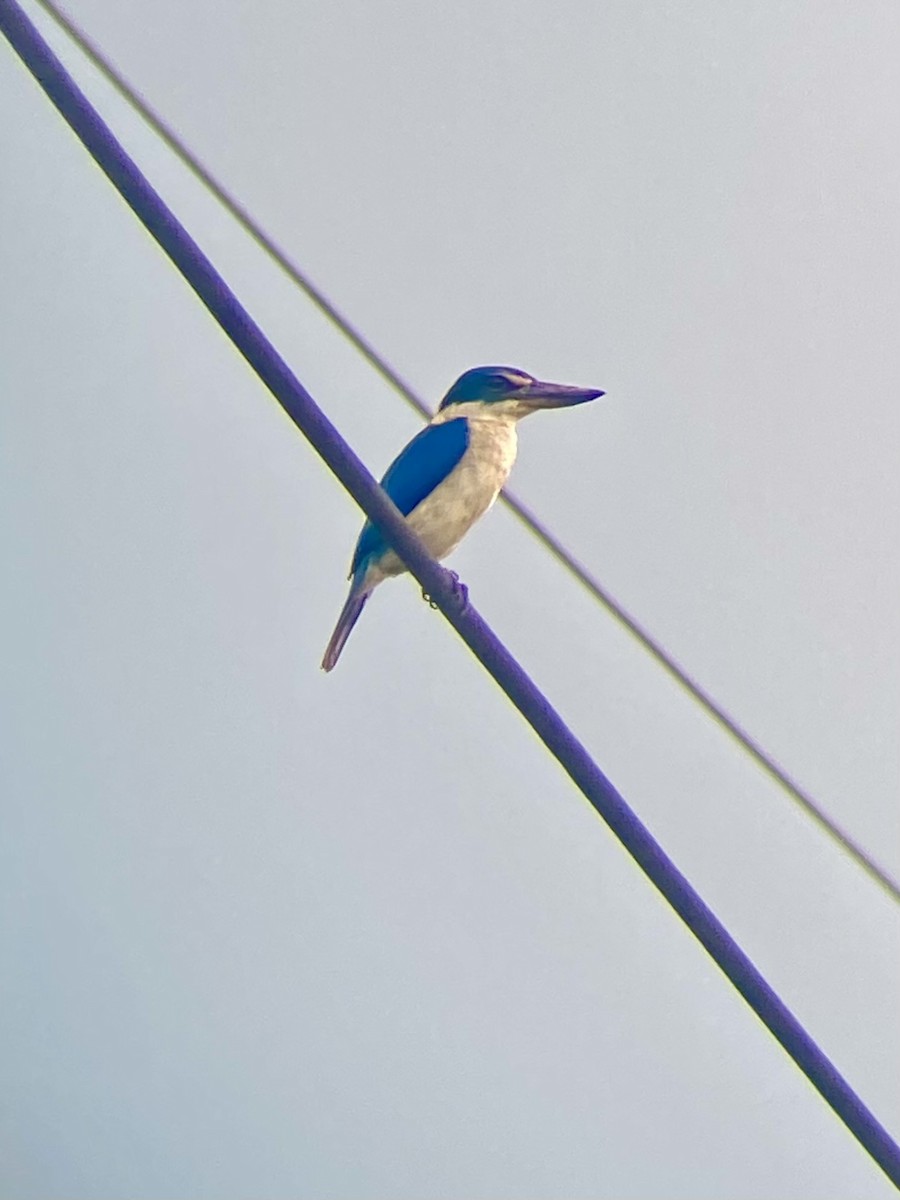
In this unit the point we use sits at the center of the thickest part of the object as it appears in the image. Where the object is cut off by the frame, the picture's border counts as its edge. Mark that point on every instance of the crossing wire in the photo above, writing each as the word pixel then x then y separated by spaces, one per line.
pixel 249 339
pixel 716 711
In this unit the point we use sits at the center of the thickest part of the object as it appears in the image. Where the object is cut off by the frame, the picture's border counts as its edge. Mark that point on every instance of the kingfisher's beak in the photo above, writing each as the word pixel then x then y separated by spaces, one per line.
pixel 555 395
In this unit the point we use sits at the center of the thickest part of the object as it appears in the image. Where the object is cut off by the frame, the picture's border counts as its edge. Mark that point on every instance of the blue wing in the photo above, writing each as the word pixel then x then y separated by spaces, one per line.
pixel 414 474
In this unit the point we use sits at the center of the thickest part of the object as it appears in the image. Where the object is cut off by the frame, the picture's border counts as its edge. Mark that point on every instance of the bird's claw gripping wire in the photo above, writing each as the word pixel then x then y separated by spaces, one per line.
pixel 460 592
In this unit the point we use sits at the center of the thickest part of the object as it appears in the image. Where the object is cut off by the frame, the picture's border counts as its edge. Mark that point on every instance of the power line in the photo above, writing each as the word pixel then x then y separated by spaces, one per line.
pixel 249 339
pixel 763 759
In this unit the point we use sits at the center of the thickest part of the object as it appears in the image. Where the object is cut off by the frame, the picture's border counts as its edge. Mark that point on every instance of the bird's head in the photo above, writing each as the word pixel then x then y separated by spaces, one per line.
pixel 508 392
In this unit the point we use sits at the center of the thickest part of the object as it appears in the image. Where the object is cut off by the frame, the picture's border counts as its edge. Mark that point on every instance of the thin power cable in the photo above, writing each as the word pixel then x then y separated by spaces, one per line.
pixel 763 759
pixel 252 343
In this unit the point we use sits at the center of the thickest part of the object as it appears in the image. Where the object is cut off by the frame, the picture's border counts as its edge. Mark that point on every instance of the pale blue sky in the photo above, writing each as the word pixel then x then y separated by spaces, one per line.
pixel 271 933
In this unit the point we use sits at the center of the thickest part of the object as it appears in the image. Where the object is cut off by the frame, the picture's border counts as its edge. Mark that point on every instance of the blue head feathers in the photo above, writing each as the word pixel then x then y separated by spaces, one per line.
pixel 486 384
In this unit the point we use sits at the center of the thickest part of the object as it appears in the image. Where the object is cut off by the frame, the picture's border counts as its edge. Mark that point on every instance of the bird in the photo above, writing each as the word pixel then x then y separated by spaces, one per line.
pixel 449 475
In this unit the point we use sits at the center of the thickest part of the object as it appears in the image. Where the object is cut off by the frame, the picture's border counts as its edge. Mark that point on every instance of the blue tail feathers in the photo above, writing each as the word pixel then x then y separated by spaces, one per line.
pixel 353 606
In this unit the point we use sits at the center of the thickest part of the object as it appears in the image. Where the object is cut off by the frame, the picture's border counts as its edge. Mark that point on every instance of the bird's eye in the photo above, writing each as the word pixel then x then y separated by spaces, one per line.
pixel 500 382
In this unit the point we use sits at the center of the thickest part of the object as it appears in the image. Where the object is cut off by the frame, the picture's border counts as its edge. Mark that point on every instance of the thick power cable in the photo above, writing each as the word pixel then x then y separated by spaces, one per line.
pixel 652 645
pixel 297 403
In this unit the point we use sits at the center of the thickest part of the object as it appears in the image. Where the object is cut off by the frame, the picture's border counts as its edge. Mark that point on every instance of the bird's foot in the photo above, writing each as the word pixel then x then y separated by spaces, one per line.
pixel 460 591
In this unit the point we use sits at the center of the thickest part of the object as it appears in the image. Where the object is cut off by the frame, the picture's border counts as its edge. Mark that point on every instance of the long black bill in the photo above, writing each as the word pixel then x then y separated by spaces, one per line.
pixel 556 395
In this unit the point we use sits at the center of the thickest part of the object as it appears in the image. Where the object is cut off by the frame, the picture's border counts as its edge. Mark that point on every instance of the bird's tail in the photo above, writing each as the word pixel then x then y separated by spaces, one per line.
pixel 353 606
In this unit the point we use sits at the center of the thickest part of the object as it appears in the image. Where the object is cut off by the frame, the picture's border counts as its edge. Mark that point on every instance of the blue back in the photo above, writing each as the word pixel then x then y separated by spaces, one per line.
pixel 414 474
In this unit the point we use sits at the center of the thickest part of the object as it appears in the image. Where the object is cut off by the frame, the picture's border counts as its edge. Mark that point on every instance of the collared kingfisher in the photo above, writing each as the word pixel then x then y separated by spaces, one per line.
pixel 450 474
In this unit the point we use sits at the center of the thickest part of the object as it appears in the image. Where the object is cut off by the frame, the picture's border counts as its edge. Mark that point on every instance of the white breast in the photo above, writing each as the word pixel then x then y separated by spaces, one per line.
pixel 446 516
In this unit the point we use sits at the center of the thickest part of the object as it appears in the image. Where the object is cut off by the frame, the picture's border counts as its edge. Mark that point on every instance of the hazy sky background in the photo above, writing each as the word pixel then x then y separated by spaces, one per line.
pixel 273 934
